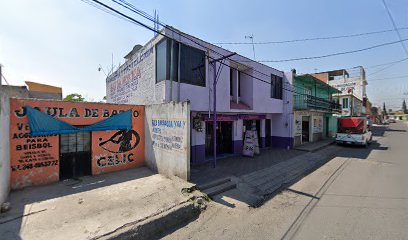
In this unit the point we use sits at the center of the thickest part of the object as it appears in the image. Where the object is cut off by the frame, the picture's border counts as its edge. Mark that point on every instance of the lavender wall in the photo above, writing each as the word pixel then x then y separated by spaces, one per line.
pixel 282 142
pixel 198 154
pixel 238 145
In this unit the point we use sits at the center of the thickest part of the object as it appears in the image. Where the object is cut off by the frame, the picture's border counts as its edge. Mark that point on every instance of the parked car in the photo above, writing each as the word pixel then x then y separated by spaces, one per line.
pixel 391 121
pixel 353 131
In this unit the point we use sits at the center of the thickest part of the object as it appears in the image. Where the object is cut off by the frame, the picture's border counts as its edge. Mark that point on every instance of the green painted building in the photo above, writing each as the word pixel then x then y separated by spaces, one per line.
pixel 313 109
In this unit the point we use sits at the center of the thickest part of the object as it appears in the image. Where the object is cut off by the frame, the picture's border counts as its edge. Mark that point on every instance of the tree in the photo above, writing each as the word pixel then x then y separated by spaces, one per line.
pixel 74 97
pixel 384 110
pixel 404 107
pixel 374 111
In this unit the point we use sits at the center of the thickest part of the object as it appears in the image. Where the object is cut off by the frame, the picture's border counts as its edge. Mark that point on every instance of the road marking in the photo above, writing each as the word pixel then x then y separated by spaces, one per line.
pixel 295 226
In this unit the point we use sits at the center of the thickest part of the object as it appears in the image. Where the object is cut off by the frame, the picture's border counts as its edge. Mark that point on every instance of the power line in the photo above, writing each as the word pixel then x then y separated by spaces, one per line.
pixel 147 16
pixel 395 26
pixel 381 79
pixel 336 54
pixel 106 11
pixel 311 39
pixel 387 67
pixel 158 32
pixel 193 40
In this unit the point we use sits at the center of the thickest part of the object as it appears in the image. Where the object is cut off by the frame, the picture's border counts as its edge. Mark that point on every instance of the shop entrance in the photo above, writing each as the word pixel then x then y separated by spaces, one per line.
pixel 224 138
pixel 305 129
pixel 75 155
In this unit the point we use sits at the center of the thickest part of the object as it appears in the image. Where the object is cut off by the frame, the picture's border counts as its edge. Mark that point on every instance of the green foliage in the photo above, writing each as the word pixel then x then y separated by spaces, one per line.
pixel 404 107
pixel 384 110
pixel 74 97
pixel 374 111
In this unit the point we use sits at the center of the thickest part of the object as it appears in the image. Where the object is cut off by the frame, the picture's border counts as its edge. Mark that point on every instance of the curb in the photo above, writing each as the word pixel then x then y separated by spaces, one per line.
pixel 155 226
pixel 316 149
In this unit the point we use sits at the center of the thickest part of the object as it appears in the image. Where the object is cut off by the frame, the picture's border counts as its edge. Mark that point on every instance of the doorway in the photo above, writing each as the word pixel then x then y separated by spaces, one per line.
pixel 224 138
pixel 305 129
pixel 75 155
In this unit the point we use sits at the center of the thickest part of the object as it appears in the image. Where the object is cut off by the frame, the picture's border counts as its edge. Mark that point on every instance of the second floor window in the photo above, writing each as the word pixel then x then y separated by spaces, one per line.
pixel 276 87
pixel 345 103
pixel 192 63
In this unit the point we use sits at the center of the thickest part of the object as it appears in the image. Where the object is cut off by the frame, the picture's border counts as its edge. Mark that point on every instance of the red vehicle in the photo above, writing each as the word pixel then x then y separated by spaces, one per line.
pixel 354 131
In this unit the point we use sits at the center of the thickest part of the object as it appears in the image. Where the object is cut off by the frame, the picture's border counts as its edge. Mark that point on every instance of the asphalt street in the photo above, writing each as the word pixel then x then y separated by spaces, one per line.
pixel 361 193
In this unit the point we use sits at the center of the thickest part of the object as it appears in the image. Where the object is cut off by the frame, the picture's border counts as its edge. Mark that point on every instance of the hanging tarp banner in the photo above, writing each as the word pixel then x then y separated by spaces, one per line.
pixel 42 124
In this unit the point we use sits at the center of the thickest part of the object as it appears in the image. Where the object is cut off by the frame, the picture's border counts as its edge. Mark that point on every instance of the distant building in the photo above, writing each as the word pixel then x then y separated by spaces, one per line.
pixel 397 115
pixel 43 91
pixel 352 85
pixel 313 107
pixel 33 90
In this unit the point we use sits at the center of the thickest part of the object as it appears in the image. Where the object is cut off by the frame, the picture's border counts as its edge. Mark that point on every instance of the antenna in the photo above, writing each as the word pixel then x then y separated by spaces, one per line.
pixel 252 41
pixel 156 21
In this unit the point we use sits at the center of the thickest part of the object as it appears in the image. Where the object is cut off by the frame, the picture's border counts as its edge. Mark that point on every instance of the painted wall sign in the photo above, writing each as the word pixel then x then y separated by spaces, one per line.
pixel 36 160
pixel 169 134
pixel 134 80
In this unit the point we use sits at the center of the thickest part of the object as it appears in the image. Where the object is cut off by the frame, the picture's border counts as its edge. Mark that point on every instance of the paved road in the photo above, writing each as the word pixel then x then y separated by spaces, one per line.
pixel 360 194
pixel 369 199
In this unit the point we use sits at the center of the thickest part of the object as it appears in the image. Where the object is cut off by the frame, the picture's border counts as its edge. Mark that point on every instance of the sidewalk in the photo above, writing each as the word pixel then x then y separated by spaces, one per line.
pixel 95 207
pixel 314 146
pixel 239 165
pixel 255 187
pixel 268 180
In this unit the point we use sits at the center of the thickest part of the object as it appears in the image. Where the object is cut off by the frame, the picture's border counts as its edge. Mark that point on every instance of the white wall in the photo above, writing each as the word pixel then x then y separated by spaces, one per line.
pixel 167 134
pixel 4 146
pixel 237 129
pixel 356 84
pixel 198 138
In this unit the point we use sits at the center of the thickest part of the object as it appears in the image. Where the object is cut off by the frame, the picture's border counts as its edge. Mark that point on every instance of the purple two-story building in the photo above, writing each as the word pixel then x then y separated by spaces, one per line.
pixel 179 67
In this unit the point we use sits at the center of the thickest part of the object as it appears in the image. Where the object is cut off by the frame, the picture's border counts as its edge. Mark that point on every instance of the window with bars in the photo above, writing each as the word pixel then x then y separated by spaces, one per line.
pixel 276 86
pixel 75 142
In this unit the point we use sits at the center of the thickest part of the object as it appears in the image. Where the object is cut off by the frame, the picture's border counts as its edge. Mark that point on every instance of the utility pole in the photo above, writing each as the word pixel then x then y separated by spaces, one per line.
pixel 214 65
pixel 252 41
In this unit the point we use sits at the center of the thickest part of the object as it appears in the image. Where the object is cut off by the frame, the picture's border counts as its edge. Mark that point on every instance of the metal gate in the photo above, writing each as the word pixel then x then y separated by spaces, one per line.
pixel 75 155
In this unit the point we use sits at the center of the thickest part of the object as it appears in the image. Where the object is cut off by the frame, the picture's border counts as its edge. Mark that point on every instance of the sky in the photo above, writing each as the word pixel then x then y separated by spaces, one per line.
pixel 63 42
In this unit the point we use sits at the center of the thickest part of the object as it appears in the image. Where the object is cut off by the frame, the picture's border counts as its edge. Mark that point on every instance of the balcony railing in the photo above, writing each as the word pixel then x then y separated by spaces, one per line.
pixel 309 102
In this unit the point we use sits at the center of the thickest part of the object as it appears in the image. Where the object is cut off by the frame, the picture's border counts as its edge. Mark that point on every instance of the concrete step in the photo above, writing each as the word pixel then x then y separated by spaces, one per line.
pixel 220 188
pixel 214 183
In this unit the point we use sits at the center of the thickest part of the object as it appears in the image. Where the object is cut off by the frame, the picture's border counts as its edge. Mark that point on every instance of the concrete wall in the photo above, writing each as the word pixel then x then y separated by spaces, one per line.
pixel 4 146
pixel 134 82
pixel 324 77
pixel 15 91
pixel 37 160
pixel 167 145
